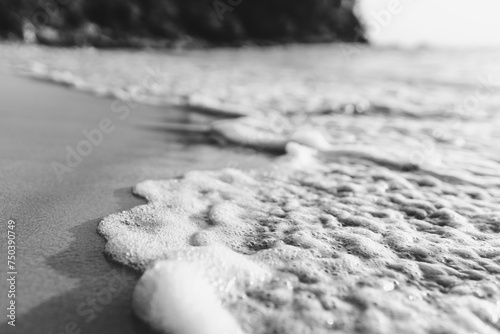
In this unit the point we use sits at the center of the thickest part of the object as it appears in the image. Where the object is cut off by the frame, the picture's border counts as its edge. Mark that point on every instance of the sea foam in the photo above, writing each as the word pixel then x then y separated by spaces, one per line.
pixel 185 293
pixel 392 228
pixel 318 242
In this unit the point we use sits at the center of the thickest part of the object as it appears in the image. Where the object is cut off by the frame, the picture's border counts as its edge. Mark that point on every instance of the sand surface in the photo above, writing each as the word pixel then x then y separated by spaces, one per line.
pixel 387 221
pixel 61 261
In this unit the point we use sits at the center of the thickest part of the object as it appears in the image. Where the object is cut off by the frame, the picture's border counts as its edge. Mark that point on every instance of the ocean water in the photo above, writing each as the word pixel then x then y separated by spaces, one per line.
pixel 379 214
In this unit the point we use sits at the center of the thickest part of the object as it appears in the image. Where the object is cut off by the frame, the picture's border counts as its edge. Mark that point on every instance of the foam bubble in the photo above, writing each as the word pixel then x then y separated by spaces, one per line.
pixel 186 294
pixel 174 298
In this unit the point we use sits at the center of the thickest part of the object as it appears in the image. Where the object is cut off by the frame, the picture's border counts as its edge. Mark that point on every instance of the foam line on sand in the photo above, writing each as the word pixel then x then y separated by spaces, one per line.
pixel 310 245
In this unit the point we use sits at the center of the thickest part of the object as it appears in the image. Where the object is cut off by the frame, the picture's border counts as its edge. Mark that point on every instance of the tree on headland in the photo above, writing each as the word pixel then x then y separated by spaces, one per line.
pixel 119 22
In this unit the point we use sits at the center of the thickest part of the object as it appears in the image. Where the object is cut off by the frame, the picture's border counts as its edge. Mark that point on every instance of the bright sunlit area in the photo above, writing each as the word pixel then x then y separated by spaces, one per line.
pixel 457 23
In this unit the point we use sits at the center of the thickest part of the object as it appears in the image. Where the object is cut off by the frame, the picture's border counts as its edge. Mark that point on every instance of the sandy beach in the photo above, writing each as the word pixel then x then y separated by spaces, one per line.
pixel 250 167
pixel 61 262
pixel 388 190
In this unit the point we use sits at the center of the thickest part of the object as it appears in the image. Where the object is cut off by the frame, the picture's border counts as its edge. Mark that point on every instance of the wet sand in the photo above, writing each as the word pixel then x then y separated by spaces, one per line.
pixel 61 265
pixel 399 140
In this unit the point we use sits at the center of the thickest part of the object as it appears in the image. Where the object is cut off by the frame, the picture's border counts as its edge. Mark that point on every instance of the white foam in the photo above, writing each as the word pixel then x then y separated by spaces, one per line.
pixel 251 132
pixel 174 298
pixel 261 134
pixel 309 250
pixel 186 293
pixel 312 137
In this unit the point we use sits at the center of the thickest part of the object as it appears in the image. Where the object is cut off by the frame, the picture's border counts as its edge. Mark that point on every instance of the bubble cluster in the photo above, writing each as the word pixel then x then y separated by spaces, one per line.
pixel 392 228
pixel 353 247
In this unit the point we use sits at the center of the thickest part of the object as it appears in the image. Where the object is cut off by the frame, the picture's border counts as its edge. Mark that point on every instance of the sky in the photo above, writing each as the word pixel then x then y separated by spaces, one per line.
pixel 458 23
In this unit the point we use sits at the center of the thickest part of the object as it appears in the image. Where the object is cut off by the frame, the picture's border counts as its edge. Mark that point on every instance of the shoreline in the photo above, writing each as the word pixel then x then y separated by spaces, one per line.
pixel 383 208
pixel 57 222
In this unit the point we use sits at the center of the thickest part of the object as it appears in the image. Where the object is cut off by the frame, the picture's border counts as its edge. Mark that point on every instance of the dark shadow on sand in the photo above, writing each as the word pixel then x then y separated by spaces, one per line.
pixel 102 300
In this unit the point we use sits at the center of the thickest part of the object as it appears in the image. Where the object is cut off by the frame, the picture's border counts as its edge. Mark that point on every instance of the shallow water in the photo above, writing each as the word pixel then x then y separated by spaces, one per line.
pixel 292 78
pixel 411 133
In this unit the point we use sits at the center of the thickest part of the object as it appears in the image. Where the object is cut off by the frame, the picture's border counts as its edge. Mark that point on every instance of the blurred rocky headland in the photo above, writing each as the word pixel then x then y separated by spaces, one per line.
pixel 164 23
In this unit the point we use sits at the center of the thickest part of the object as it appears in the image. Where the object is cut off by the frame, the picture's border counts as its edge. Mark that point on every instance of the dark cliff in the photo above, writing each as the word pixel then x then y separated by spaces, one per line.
pixel 129 22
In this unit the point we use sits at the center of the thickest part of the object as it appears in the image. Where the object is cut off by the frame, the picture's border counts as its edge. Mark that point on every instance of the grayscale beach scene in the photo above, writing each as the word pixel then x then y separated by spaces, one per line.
pixel 250 167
